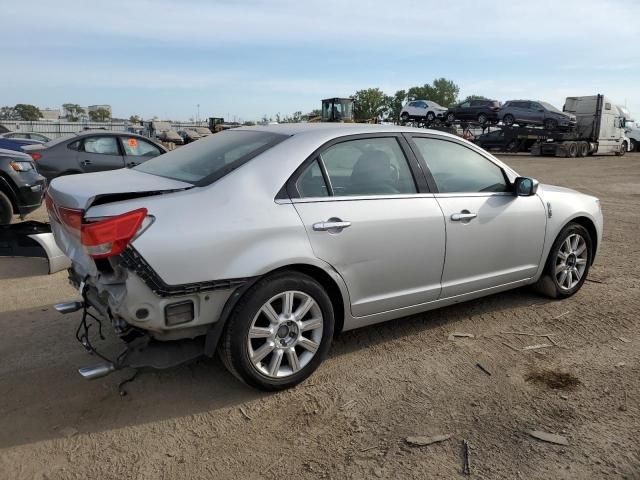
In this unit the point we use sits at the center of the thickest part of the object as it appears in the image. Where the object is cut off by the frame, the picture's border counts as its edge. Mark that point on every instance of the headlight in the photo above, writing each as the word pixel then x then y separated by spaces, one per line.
pixel 20 166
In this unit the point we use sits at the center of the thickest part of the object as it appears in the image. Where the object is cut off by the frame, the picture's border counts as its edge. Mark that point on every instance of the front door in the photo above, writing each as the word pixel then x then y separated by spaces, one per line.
pixel 136 150
pixel 493 236
pixel 100 152
pixel 366 216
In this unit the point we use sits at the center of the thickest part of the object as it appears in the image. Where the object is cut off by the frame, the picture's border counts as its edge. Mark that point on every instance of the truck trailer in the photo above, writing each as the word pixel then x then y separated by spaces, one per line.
pixel 600 128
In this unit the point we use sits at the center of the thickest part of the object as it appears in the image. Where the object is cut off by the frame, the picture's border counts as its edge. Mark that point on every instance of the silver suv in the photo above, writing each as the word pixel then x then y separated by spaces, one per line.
pixel 527 112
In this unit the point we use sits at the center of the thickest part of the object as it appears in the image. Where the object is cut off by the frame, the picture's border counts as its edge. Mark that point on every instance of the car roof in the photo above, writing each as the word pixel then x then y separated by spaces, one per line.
pixel 336 129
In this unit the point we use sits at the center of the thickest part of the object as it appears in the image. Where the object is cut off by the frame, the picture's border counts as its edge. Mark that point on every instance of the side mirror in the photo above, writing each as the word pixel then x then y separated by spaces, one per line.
pixel 525 186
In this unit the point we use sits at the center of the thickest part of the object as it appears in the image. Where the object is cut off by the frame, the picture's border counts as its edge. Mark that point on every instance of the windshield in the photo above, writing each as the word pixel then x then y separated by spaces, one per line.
pixel 205 161
pixel 550 107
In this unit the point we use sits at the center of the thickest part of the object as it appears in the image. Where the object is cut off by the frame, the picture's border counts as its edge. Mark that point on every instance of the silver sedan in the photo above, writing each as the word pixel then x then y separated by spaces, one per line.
pixel 262 243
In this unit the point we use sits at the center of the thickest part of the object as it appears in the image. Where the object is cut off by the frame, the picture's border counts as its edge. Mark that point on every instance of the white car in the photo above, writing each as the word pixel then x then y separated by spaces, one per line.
pixel 422 110
pixel 632 131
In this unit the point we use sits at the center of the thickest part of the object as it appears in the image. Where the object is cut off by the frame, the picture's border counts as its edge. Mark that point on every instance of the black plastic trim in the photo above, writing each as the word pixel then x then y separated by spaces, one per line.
pixel 133 261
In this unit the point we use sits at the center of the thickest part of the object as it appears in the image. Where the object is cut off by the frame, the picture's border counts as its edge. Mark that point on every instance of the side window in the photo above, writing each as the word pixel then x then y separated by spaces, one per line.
pixel 465 105
pixel 369 166
pixel 311 183
pixel 74 145
pixel 412 104
pixel 35 136
pixel 458 169
pixel 137 147
pixel 102 145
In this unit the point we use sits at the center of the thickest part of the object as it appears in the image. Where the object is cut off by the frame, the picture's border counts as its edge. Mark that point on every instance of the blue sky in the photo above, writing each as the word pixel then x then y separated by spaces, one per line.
pixel 248 58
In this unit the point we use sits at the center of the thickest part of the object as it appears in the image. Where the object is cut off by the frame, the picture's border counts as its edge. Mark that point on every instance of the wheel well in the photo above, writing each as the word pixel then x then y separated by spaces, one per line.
pixel 324 279
pixel 591 228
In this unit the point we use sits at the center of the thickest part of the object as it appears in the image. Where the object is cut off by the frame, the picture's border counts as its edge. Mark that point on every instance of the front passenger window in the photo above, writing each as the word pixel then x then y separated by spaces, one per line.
pixel 103 145
pixel 458 169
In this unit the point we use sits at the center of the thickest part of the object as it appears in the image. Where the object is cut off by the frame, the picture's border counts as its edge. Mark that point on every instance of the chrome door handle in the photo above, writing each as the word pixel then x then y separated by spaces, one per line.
pixel 85 163
pixel 329 225
pixel 457 217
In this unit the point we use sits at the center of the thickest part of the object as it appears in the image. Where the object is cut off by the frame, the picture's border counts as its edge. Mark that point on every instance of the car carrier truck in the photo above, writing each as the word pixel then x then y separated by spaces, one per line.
pixel 600 128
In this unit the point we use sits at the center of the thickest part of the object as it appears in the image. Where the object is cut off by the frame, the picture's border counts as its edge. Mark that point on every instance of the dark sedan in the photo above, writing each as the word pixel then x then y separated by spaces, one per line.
pixel 92 151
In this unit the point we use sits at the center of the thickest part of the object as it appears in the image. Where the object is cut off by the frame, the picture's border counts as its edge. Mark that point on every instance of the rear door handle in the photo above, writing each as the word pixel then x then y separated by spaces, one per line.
pixel 85 163
pixel 330 225
pixel 464 215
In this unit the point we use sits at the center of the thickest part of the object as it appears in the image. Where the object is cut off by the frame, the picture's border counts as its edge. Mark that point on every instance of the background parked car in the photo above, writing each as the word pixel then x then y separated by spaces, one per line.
pixel 21 186
pixel 481 111
pixel 92 151
pixel 17 144
pixel 422 110
pixel 632 130
pixel 26 135
pixel 203 131
pixel 189 135
pixel 528 112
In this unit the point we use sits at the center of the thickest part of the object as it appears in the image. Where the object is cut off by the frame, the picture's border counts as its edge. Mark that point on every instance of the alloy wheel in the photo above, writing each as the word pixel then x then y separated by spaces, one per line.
pixel 571 261
pixel 285 334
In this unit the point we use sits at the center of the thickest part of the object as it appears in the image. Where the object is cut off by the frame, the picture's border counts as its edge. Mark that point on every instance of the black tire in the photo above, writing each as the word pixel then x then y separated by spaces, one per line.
pixel 623 149
pixel 430 117
pixel 508 120
pixel 482 119
pixel 6 209
pixel 633 146
pixel 234 348
pixel 404 117
pixel 548 283
pixel 550 124
pixel 451 117
pixel 583 149
pixel 572 150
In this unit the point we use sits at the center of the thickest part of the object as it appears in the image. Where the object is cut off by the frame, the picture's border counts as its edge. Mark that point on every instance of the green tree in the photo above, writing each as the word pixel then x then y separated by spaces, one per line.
pixel 73 111
pixel 445 92
pixel 474 97
pixel 27 112
pixel 369 103
pixel 441 91
pixel 9 113
pixel 134 119
pixel 395 104
pixel 100 115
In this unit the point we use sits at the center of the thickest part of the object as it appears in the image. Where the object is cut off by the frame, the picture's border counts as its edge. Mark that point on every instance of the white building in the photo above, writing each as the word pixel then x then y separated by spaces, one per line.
pixel 50 114
pixel 93 108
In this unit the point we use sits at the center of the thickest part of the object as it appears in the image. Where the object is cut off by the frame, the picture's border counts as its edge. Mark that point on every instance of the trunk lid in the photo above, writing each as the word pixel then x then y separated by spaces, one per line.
pixel 82 191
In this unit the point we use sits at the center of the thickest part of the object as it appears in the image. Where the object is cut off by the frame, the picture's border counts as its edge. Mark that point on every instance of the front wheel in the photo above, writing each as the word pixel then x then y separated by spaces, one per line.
pixel 508 120
pixel 568 263
pixel 279 332
pixel 6 209
pixel 482 119
pixel 430 117
pixel 451 117
pixel 404 117
pixel 623 149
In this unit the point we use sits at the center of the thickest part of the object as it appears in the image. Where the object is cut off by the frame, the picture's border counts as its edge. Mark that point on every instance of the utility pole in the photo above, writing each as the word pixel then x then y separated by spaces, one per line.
pixel 198 115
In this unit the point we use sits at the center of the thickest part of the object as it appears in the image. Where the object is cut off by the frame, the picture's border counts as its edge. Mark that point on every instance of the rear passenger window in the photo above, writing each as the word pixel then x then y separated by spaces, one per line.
pixel 311 183
pixel 458 169
pixel 371 166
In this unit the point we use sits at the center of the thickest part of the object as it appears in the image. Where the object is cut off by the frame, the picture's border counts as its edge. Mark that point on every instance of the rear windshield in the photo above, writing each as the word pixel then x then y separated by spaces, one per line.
pixel 205 161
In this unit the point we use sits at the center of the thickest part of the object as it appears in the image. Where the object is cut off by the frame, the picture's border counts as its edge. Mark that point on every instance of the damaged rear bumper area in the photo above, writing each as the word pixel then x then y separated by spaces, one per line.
pixel 161 325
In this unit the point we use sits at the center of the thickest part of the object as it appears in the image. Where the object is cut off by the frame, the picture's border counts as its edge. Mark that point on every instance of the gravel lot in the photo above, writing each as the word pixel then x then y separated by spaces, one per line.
pixel 380 385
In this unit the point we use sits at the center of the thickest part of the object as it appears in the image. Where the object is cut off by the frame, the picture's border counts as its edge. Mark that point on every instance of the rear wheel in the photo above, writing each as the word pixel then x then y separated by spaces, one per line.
pixel 623 149
pixel 583 149
pixel 482 119
pixel 632 145
pixel 568 263
pixel 404 117
pixel 451 117
pixel 279 332
pixel 6 209
pixel 508 120
pixel 572 149
pixel 430 117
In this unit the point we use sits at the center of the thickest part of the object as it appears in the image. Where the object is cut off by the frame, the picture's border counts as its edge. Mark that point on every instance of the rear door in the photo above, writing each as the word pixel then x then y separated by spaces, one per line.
pixel 100 152
pixel 368 213
pixel 493 236
pixel 464 111
pixel 137 150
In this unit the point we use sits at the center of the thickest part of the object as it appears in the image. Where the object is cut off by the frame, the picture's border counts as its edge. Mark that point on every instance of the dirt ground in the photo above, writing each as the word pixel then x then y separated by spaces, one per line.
pixel 380 385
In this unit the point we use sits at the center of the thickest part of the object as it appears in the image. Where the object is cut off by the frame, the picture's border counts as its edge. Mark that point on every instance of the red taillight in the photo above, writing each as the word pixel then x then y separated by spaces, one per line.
pixel 70 217
pixel 110 237
pixel 35 155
